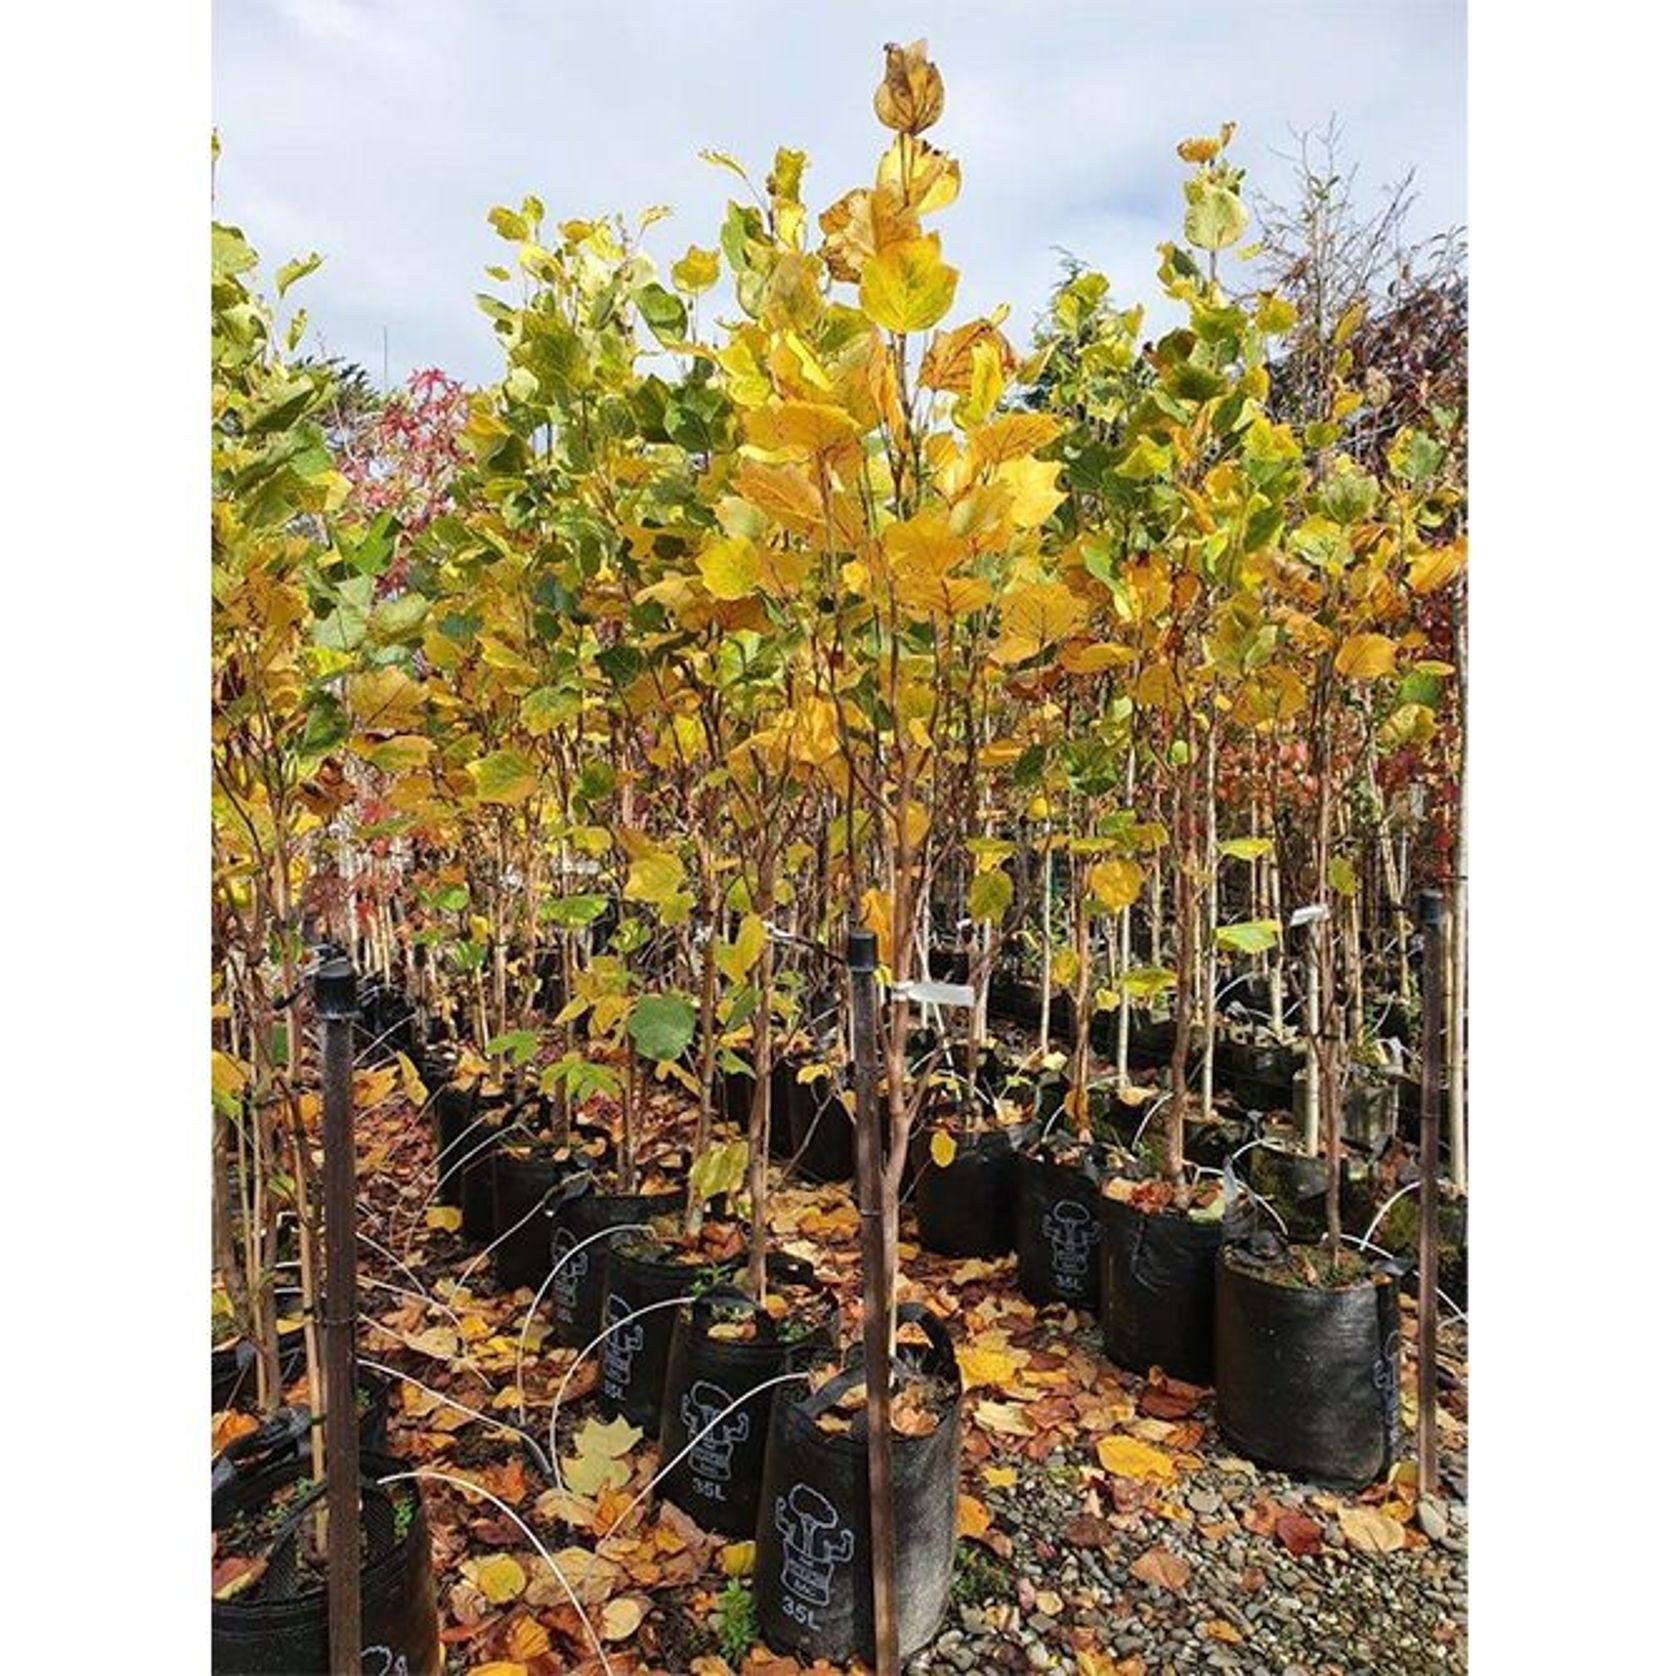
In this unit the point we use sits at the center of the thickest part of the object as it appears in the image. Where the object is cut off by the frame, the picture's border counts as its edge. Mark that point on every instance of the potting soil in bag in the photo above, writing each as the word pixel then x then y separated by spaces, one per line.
pixel 1158 1290
pixel 1057 1226
pixel 1306 1377
pixel 814 1578
pixel 279 1627
pixel 711 1421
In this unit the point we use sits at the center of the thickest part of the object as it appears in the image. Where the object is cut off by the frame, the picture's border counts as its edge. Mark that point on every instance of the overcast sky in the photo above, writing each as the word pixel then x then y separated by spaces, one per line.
pixel 379 132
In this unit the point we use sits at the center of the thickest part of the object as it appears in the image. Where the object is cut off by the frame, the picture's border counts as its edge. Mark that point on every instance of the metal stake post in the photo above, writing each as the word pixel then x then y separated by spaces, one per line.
pixel 862 959
pixel 334 1004
pixel 1431 1100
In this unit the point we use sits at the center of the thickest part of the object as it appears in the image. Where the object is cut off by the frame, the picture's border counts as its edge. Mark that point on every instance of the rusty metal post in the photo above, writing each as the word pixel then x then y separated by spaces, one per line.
pixel 334 1004
pixel 1432 990
pixel 862 959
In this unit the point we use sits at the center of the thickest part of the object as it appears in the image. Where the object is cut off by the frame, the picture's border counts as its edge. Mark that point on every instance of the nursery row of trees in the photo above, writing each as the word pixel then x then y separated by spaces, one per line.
pixel 775 592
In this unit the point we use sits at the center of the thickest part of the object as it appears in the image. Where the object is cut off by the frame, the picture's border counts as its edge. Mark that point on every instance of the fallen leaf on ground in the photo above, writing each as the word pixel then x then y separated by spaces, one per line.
pixel 1370 1531
pixel 1130 1458
pixel 1004 1417
pixel 1159 1566
pixel 738 1559
pixel 622 1617
pixel 1299 1534
pixel 499 1578
pixel 971 1516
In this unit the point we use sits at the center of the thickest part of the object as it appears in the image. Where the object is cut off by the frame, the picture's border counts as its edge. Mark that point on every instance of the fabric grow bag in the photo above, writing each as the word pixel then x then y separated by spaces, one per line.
pixel 1056 1225
pixel 965 1208
pixel 634 1356
pixel 1306 1378
pixel 719 1480
pixel 523 1235
pixel 278 1627
pixel 579 1212
pixel 453 1111
pixel 1158 1290
pixel 814 1578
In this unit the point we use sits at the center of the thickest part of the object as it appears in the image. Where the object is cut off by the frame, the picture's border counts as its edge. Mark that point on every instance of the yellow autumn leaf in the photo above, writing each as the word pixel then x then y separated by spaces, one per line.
pixel 799 427
pixel 1035 615
pixel 500 1579
pixel 1436 567
pixel 982 1365
pixel 500 1667
pixel 622 1617
pixel 736 959
pixel 447 1218
pixel 1116 883
pixel 908 287
pixel 1128 1457
pixel 730 568
pixel 696 271
pixel 943 1149
pixel 1035 491
pixel 971 1517
pixel 1004 1417
pixel 1000 1478
pixel 738 1559
pixel 1365 657
pixel 227 1075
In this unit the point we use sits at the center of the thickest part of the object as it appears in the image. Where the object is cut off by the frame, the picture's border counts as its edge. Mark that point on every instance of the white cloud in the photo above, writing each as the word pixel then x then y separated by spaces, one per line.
pixel 380 131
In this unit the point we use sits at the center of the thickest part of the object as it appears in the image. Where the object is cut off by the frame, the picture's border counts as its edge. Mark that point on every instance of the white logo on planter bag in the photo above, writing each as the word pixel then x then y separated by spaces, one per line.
pixel 567 1283
pixel 815 1543
pixel 616 1357
pixel 1071 1232
pixel 712 1456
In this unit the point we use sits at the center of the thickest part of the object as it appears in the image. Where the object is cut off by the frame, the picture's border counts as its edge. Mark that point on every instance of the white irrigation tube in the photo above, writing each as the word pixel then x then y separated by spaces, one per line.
pixel 385 1251
pixel 583 1354
pixel 499 1135
pixel 475 1413
pixel 552 1564
pixel 390 1332
pixel 697 1438
pixel 500 1238
pixel 552 1274
pixel 1368 1245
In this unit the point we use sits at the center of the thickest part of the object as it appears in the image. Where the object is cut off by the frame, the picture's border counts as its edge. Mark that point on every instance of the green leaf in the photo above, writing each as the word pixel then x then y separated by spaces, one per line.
pixel 661 1026
pixel 664 312
pixel 290 272
pixel 1246 849
pixel 1215 215
pixel 572 913
pixel 518 1045
pixel 1250 936
pixel 503 777
pixel 547 708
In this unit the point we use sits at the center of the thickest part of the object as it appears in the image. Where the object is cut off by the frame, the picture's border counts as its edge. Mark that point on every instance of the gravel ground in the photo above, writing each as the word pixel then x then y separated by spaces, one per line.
pixel 1247 1605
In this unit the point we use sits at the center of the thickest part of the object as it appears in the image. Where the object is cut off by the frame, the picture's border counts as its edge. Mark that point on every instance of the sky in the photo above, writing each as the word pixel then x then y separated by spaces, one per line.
pixel 380 132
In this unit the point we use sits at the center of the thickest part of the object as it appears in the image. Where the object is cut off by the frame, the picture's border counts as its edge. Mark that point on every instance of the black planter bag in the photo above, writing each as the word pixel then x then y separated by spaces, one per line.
pixel 783 1089
pixel 1158 1291
pixel 523 1230
pixel 453 1111
pixel 1057 1227
pixel 269 1630
pixel 634 1359
pixel 719 1480
pixel 1306 1380
pixel 476 1162
pixel 580 1212
pixel 814 1578
pixel 233 1368
pixel 965 1208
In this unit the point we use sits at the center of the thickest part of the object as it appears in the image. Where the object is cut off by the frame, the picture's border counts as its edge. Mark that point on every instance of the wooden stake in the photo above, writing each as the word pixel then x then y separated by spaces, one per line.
pixel 334 1001
pixel 1432 981
pixel 862 959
